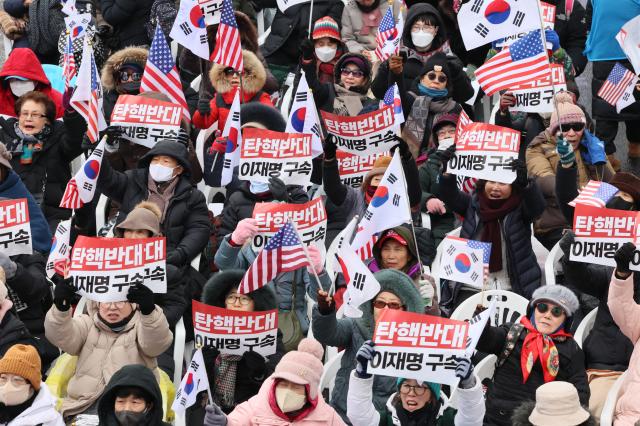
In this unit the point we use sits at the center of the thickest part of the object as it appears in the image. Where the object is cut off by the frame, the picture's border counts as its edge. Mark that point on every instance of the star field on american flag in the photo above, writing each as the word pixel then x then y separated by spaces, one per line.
pixel 288 237
pixel 160 55
pixel 485 247
pixel 388 96
pixel 528 46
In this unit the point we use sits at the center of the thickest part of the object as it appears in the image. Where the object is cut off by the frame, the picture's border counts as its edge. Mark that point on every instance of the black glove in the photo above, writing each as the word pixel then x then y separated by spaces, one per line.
pixel 455 68
pixel 209 355
pixel 204 106
pixel 64 292
pixel 256 365
pixel 329 148
pixel 520 167
pixel 113 134
pixel 325 307
pixel 183 137
pixel 143 296
pixel 565 242
pixel 278 189
pixel 402 146
pixel 446 155
pixel 623 257
pixel 464 370
pixel 307 49
pixel 363 356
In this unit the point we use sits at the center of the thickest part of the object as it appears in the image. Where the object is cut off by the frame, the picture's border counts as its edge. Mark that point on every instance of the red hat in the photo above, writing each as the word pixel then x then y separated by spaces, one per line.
pixel 394 235
pixel 326 27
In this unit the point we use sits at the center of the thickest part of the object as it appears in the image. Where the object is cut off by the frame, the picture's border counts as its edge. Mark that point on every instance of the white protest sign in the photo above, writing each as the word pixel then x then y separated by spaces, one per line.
pixel 465 261
pixel 103 269
pixel 364 134
pixel 15 229
pixel 235 332
pixel 283 5
pixel 537 96
pixel 354 168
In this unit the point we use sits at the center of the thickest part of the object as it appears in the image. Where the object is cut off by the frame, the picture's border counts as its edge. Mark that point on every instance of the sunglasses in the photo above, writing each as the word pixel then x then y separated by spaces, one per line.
pixel 576 127
pixel 231 72
pixel 556 311
pixel 381 304
pixel 355 73
pixel 433 76
pixel 125 76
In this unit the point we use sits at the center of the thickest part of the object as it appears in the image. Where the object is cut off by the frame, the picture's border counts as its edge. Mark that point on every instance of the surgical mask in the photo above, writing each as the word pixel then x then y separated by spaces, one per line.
pixel 422 38
pixel 618 203
pixel 130 418
pixel 160 173
pixel 130 87
pixel 20 87
pixel 325 53
pixel 289 400
pixel 445 143
pixel 258 187
pixel 11 394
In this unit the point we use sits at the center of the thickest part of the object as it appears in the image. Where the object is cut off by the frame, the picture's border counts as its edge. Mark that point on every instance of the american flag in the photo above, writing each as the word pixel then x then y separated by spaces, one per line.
pixel 71 197
pixel 161 74
pixel 467 184
pixel 68 63
pixel 595 193
pixel 523 62
pixel 283 253
pixel 228 50
pixel 392 98
pixel 486 254
pixel 387 32
pixel 616 84
pixel 366 251
pixel 87 98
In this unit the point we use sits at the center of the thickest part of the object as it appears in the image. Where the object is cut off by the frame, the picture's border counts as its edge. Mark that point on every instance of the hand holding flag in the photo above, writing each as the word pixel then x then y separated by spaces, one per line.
pixel 618 89
pixel 82 187
pixel 193 382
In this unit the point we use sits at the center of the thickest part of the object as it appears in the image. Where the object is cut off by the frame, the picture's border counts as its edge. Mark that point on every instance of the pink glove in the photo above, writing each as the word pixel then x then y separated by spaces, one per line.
pixel 435 206
pixel 316 260
pixel 245 230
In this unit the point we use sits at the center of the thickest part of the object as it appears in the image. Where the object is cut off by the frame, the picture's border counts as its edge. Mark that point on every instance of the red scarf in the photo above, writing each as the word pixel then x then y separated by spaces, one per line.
pixel 537 345
pixel 491 212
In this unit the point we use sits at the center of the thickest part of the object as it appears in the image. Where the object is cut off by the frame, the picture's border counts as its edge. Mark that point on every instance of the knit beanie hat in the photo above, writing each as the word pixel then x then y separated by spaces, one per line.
pixel 303 367
pixel 23 361
pixel 146 215
pixel 5 156
pixel 628 183
pixel 557 294
pixel 326 27
pixel 435 387
pixel 437 62
pixel 568 111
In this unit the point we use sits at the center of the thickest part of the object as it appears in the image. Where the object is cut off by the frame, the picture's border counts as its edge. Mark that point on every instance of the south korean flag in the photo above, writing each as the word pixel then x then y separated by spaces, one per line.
pixel 465 261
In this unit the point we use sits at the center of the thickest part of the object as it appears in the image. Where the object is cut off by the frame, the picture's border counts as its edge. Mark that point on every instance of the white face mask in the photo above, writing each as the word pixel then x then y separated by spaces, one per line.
pixel 11 395
pixel 422 38
pixel 289 400
pixel 445 143
pixel 19 87
pixel 258 187
pixel 326 53
pixel 160 173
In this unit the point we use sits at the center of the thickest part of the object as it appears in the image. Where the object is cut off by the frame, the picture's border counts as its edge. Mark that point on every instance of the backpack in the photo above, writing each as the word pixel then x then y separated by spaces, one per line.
pixel 162 12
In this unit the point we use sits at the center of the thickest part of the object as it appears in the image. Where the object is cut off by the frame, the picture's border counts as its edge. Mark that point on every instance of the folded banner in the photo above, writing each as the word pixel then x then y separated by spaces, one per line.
pixel 15 229
pixel 600 232
pixel 146 121
pixel 265 154
pixel 548 12
pixel 537 96
pixel 103 269
pixel 364 134
pixel 235 332
pixel 58 261
pixel 486 151
pixel 465 261
pixel 353 168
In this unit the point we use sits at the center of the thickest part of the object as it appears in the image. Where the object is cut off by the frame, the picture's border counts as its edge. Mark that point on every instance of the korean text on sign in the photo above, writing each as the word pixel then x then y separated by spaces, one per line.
pixel 211 9
pixel 265 154
pixel 353 168
pixel 600 232
pixel 537 96
pixel 235 332
pixel 364 134
pixel 15 229
pixel 103 269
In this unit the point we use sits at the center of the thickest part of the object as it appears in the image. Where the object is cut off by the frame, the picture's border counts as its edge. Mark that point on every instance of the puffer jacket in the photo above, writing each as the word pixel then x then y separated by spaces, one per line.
pixel 13 331
pixel 602 110
pixel 351 333
pixel 131 54
pixel 543 162
pixel 352 23
pixel 41 412
pixel 102 352
pixel 129 20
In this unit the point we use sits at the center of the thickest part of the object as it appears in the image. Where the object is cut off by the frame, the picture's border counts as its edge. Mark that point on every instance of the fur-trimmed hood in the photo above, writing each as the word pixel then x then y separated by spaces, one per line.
pixel 220 284
pixel 253 80
pixel 136 55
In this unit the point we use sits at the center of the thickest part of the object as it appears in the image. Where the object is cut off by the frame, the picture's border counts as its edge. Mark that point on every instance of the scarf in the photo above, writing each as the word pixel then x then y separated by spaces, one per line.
pixel 491 211
pixel 9 412
pixel 26 145
pixel 226 371
pixel 292 416
pixel 422 108
pixel 436 94
pixel 537 345
pixel 161 193
pixel 349 102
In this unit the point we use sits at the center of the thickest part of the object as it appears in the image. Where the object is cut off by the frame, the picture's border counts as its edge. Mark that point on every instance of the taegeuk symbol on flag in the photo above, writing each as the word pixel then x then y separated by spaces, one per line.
pixel 465 261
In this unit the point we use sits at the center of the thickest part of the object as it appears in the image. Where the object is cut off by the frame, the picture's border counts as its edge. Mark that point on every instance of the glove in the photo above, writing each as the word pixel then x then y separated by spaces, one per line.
pixel 114 133
pixel 204 106
pixel 245 230
pixel 520 167
pixel 308 50
pixel 507 100
pixel 219 145
pixel 446 155
pixel 64 292
pixel 256 365
pixel 326 304
pixel 329 148
pixel 426 292
pixel 8 265
pixel 316 260
pixel 435 206
pixel 364 355
pixel 464 370
pixel 143 296
pixel 552 37
pixel 623 257
pixel 402 146
pixel 214 416
pixel 183 137
pixel 565 242
pixel 278 189
pixel 209 355
pixel 565 151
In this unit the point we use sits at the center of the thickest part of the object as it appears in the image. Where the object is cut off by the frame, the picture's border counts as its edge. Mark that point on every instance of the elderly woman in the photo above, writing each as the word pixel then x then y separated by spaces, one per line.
pixel 325 47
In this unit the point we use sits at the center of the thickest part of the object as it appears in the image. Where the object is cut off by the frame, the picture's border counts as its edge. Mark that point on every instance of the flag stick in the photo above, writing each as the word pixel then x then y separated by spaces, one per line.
pixel 306 253
pixel 215 159
pixel 310 19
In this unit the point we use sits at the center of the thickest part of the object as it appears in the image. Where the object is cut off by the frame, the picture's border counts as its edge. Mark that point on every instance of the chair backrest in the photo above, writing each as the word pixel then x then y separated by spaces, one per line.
pixel 509 306
pixel 327 380
pixel 552 264
pixel 585 327
pixel 609 407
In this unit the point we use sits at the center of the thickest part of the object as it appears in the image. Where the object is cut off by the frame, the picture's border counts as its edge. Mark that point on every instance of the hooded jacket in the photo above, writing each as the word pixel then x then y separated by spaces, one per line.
pixel 138 376
pixel 252 84
pixel 42 411
pixel 13 332
pixel 351 333
pixel 129 20
pixel 352 23
pixel 24 63
pixel 133 55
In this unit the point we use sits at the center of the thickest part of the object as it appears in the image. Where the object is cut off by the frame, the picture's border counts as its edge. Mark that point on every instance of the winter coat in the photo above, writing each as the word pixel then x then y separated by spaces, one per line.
pixel 257 412
pixel 186 222
pixel 572 28
pixel 13 331
pixel 24 63
pixel 460 85
pixel 102 352
pixel 137 376
pixel 603 110
pixel 508 390
pixel 441 224
pixel 543 162
pixel 41 412
pixel 351 333
pixel 252 84
pixel 129 20
pixel 352 23
pixel 521 264
pixel 626 313
pixel 230 257
pixel 362 412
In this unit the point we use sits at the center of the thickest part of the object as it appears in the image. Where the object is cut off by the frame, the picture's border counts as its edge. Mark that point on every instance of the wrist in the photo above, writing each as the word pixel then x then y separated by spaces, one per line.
pixel 622 275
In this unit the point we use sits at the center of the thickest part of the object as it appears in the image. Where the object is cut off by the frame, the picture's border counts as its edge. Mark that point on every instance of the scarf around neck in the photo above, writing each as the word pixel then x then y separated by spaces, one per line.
pixel 423 107
pixel 226 371
pixel 491 212
pixel 26 145
pixel 537 345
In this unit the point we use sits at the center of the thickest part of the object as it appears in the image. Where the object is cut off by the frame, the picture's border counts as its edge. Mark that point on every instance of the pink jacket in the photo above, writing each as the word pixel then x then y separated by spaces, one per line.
pixel 257 412
pixel 626 314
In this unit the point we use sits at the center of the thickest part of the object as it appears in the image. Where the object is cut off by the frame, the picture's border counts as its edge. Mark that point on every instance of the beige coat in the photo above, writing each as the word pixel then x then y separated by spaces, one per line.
pixel 352 26
pixel 101 352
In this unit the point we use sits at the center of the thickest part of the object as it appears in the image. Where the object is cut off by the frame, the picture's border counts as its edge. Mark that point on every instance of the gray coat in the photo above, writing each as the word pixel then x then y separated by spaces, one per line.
pixel 352 26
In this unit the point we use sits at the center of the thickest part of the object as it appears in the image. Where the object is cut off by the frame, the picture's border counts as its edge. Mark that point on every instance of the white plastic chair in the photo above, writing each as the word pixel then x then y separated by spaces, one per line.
pixel 585 327
pixel 609 408
pixel 510 307
pixel 552 264
pixel 329 372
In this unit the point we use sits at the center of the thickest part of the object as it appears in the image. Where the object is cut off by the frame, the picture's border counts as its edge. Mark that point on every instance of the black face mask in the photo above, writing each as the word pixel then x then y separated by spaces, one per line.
pixel 130 87
pixel 618 203
pixel 130 418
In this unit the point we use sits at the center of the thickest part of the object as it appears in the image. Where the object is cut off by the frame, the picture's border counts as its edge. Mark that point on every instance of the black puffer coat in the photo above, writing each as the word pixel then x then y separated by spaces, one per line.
pixel 128 19
pixel 572 30
pixel 12 332
pixel 601 109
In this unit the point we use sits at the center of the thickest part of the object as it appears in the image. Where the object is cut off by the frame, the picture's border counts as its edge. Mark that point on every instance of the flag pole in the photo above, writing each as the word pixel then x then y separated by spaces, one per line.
pixel 310 19
pixel 413 229
pixel 345 240
pixel 306 253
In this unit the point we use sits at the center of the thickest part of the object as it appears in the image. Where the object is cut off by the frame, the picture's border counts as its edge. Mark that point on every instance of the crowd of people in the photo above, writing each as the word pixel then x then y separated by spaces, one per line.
pixel 123 348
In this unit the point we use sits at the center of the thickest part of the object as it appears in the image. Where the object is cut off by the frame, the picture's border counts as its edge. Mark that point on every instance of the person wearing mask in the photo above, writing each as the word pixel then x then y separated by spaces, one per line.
pixel 110 335
pixel 121 75
pixel 132 397
pixel 415 402
pixel 324 48
pixel 360 21
pixel 23 73
pixel 24 397
pixel 533 351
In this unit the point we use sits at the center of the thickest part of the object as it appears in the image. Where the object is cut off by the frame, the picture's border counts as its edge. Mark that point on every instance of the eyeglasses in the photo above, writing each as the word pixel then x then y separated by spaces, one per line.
pixel 32 115
pixel 233 298
pixel 381 304
pixel 117 305
pixel 433 76
pixel 423 27
pixel 556 311
pixel 15 380
pixel 229 72
pixel 576 127
pixel 355 73
pixel 417 389
pixel 125 76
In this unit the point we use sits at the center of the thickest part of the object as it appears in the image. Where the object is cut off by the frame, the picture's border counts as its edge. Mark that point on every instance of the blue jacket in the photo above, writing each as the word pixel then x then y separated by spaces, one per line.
pixel 607 19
